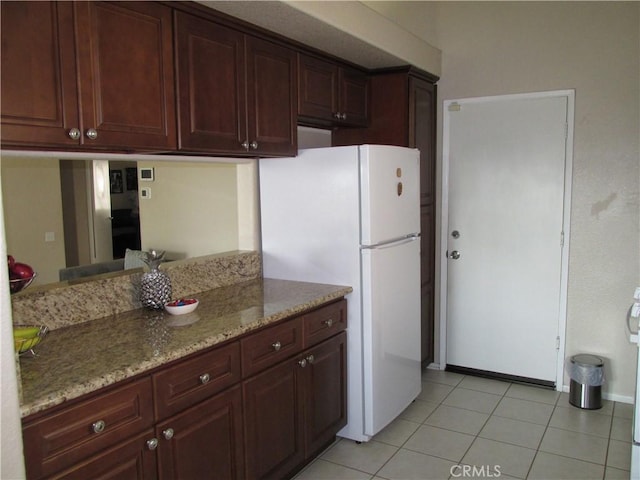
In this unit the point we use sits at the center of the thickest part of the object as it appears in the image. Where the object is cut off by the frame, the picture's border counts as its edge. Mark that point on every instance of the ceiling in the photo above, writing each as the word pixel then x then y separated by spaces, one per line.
pixel 292 22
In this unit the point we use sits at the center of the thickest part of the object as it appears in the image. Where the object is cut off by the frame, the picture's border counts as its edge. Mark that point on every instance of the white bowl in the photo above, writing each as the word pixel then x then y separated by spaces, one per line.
pixel 181 306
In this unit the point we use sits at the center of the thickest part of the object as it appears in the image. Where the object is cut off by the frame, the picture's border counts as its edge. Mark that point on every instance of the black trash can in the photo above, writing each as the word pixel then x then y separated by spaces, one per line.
pixel 587 376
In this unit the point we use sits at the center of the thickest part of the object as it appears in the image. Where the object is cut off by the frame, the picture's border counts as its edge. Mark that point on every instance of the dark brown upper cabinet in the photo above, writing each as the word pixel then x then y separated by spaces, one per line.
pixel 38 78
pixel 331 94
pixel 97 75
pixel 237 93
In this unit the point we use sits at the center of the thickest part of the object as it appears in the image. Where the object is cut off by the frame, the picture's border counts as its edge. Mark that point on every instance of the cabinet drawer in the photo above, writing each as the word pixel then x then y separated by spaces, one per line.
pixel 191 381
pixel 324 322
pixel 265 348
pixel 72 434
pixel 130 459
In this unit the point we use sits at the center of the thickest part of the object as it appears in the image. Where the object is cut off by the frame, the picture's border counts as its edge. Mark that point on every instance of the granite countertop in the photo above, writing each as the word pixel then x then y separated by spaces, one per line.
pixel 82 358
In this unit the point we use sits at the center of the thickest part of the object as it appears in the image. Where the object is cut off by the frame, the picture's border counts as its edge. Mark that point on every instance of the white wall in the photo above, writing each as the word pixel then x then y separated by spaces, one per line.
pixel 494 48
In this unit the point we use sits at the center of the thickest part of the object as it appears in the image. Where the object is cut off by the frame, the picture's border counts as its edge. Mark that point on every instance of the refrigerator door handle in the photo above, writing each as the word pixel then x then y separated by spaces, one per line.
pixel 393 243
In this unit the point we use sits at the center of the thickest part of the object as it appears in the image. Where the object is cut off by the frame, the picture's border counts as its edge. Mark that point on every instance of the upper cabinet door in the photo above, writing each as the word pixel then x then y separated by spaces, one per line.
pixel 354 97
pixel 125 53
pixel 39 88
pixel 210 67
pixel 272 89
pixel 331 94
pixel 318 95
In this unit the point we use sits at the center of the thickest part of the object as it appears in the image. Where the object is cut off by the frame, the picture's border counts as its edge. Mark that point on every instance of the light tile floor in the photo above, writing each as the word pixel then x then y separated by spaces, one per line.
pixel 502 429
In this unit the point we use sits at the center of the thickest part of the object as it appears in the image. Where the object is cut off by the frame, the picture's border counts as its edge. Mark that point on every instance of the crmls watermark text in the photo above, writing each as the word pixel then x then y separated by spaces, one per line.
pixel 482 471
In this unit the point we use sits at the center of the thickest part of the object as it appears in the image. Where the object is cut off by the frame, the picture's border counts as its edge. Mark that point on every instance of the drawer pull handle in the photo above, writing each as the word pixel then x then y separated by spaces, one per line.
pixel 311 359
pixel 98 426
pixel 168 433
pixel 204 378
pixel 152 444
pixel 328 322
pixel 276 346
pixel 303 362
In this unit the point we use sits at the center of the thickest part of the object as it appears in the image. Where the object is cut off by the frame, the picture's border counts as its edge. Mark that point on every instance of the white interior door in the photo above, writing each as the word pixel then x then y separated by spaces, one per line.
pixel 100 214
pixel 506 160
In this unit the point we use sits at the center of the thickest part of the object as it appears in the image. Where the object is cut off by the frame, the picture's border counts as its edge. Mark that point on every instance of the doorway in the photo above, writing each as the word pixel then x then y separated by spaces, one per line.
pixel 505 230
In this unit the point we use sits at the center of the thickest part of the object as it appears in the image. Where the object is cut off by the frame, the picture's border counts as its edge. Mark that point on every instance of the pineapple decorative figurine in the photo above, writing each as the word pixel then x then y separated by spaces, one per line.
pixel 155 285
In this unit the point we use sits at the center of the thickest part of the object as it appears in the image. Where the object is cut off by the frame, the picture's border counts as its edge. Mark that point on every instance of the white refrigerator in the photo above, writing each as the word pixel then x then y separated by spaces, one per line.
pixel 350 216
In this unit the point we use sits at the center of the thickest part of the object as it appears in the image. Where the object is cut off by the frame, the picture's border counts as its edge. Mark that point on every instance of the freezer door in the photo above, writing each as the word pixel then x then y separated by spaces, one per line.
pixel 391 331
pixel 390 192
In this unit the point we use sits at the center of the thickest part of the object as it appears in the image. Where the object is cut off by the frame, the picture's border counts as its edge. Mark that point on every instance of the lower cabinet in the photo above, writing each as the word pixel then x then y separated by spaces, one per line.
pixel 80 437
pixel 325 399
pixel 294 409
pixel 131 459
pixel 204 441
pixel 205 417
pixel 273 427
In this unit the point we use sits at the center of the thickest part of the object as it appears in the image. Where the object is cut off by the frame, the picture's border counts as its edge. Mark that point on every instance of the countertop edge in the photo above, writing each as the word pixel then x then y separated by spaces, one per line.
pixel 143 368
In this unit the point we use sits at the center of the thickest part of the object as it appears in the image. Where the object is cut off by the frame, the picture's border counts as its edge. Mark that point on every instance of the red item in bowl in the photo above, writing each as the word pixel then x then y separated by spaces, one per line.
pixel 182 301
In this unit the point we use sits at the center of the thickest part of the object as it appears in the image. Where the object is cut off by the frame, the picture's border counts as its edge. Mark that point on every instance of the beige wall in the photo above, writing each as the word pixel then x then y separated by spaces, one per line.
pixel 197 203
pixel 494 48
pixel 31 192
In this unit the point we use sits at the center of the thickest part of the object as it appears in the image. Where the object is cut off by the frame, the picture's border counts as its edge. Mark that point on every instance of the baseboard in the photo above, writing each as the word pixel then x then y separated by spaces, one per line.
pixel 614 397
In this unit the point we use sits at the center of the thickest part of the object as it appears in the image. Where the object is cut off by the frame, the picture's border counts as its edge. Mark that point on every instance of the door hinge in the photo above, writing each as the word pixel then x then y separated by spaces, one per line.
pixel 557 343
pixel 562 239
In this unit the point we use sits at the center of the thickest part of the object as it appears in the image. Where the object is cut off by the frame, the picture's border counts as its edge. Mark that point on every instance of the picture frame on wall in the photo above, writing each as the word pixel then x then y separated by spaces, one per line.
pixel 115 181
pixel 132 178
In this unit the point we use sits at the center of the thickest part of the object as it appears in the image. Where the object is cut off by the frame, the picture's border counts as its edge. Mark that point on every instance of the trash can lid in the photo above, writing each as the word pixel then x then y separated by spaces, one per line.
pixel 587 360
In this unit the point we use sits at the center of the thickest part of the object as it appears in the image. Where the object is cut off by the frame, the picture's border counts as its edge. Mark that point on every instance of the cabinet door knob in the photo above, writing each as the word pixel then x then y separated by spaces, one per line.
pixel 245 145
pixel 74 133
pixel 336 115
pixel 303 362
pixel 254 145
pixel 311 359
pixel 328 322
pixel 98 426
pixel 168 433
pixel 204 378
pixel 343 116
pixel 91 134
pixel 276 346
pixel 152 444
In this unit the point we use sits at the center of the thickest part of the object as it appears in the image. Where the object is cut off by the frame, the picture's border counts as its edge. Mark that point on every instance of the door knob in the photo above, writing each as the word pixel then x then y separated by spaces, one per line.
pixel 455 255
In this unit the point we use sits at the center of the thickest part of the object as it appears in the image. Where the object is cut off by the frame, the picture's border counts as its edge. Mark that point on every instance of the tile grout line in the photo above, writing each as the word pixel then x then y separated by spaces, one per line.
pixel 556 406
pixel 546 428
pixel 485 423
